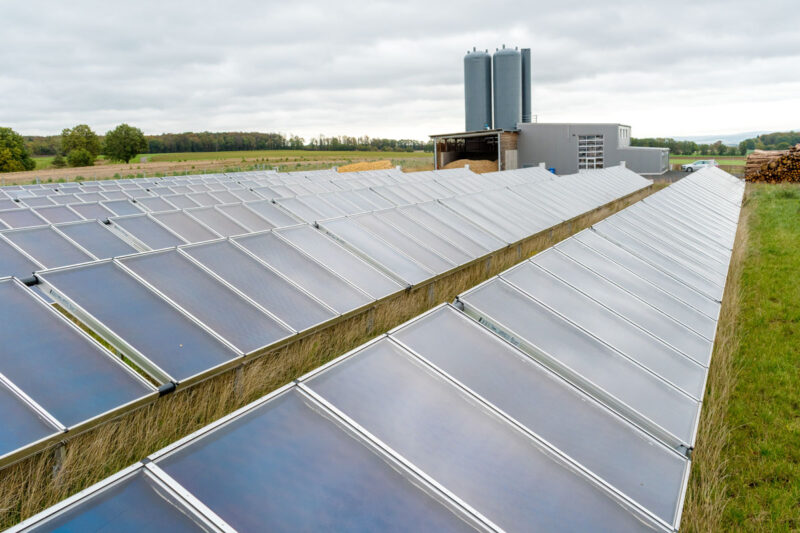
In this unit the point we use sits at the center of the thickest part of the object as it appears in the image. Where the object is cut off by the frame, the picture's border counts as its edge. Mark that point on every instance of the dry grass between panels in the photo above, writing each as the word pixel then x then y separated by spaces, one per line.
pixel 706 497
pixel 48 477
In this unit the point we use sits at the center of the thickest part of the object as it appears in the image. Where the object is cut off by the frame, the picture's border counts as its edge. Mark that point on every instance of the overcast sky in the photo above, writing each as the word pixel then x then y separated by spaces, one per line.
pixel 394 69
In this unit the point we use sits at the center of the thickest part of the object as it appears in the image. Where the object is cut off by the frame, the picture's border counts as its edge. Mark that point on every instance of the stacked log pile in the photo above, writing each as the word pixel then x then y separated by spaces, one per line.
pixel 774 166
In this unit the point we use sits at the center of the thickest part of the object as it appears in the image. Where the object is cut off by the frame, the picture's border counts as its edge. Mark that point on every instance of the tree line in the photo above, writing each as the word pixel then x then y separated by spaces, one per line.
pixel 782 140
pixel 242 141
pixel 688 147
pixel 767 141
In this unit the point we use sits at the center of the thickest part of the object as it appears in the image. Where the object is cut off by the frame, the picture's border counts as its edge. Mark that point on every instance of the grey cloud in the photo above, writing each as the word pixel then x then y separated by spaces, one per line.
pixel 381 68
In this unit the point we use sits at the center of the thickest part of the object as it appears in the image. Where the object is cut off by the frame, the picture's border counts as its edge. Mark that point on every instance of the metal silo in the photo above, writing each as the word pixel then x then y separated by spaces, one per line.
pixel 526 85
pixel 478 90
pixel 507 64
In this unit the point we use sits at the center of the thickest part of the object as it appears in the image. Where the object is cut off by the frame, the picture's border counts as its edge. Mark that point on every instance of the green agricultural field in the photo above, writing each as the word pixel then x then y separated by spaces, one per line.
pixel 43 161
pixel 272 157
pixel 285 155
pixel 722 160
pixel 746 471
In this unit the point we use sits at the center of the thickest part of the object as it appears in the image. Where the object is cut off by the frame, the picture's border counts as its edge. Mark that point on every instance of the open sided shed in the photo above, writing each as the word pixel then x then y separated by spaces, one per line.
pixel 492 145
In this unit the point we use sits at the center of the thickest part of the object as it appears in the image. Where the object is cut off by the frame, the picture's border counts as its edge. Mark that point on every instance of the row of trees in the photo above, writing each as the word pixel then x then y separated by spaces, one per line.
pixel 768 141
pixel 771 141
pixel 688 147
pixel 241 141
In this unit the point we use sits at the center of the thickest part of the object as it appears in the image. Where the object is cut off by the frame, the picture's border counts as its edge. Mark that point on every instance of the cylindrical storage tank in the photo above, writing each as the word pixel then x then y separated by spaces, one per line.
pixel 478 90
pixel 526 85
pixel 507 65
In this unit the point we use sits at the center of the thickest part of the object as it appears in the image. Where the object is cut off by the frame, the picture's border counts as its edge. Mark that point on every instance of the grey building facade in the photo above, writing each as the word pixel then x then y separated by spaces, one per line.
pixel 569 148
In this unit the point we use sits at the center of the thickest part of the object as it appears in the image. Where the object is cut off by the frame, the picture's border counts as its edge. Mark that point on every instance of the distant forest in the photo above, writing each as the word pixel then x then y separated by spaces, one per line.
pixel 236 141
pixel 768 141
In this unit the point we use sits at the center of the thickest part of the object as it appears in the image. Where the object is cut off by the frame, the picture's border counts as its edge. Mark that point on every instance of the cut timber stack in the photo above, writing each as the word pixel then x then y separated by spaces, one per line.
pixel 774 166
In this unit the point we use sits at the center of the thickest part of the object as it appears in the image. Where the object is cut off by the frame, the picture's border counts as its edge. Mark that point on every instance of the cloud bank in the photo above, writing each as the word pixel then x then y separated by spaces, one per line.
pixel 394 69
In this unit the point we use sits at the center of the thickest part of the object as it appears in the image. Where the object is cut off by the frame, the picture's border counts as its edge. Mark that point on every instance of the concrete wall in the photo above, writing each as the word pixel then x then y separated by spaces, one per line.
pixel 557 146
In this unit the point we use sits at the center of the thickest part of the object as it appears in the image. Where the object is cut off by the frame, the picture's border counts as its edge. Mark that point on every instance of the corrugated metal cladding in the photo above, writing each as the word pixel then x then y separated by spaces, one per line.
pixel 526 85
pixel 478 90
pixel 507 65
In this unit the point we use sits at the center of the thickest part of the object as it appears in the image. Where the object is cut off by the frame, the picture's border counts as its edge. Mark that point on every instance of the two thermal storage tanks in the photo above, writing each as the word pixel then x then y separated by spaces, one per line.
pixel 497 87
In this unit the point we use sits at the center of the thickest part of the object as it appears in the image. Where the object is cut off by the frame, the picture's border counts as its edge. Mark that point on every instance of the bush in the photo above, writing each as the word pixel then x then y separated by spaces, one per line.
pixel 80 157
pixel 58 161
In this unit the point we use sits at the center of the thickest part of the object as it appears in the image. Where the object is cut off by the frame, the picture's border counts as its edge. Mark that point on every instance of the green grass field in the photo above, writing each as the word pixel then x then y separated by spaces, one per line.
pixel 267 156
pixel 763 449
pixel 285 155
pixel 43 161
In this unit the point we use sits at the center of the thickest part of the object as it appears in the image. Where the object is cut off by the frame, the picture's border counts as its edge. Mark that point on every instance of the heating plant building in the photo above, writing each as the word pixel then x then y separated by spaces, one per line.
pixel 499 126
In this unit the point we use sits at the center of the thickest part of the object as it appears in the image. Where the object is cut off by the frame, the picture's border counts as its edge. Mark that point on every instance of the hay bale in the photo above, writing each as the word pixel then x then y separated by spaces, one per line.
pixel 384 164
pixel 479 166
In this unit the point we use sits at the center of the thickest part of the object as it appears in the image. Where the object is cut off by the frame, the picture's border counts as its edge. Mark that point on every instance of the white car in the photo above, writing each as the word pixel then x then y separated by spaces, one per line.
pixel 697 165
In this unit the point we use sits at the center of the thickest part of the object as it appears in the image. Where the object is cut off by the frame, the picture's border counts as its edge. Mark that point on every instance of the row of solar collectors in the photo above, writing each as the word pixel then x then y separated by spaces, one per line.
pixel 58 207
pixel 606 183
pixel 285 184
pixel 25 250
pixel 440 425
pixel 627 312
pixel 397 247
pixel 193 191
pixel 371 481
pixel 453 423
pixel 200 307
pixel 70 241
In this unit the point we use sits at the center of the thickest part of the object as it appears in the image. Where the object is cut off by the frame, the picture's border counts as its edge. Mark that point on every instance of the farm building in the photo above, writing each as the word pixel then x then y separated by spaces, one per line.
pixel 497 101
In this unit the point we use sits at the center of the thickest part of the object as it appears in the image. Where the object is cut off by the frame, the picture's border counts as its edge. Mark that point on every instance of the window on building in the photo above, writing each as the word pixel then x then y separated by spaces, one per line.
pixel 590 151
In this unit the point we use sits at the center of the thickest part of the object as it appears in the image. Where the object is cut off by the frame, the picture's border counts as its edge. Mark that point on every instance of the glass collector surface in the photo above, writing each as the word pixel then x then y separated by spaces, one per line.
pixel 261 284
pixel 132 505
pixel 314 278
pixel 485 461
pixel 286 467
pixel 215 305
pixel 648 272
pixel 341 261
pixel 162 334
pixel 21 424
pixel 545 331
pixel 626 458
pixel 610 328
pixel 97 239
pixel 655 296
pixel 149 232
pixel 377 250
pixel 57 367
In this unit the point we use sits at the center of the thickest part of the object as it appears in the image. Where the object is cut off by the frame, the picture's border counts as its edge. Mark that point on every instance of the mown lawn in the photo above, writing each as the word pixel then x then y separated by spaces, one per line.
pixel 762 454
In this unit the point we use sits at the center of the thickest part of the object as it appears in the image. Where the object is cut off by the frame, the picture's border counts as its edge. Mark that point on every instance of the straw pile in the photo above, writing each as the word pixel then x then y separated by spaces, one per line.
pixel 774 166
pixel 479 166
pixel 384 164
